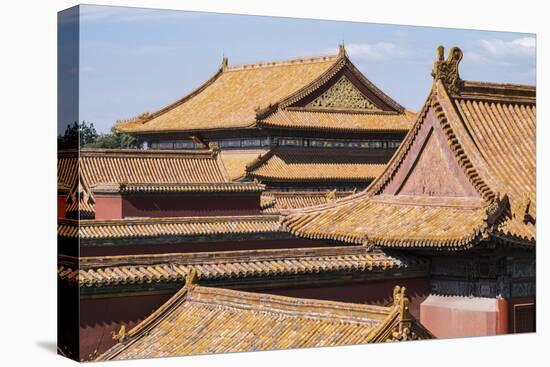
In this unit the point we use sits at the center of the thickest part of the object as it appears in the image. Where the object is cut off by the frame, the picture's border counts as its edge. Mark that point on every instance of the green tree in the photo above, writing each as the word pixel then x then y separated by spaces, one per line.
pixel 77 134
pixel 114 139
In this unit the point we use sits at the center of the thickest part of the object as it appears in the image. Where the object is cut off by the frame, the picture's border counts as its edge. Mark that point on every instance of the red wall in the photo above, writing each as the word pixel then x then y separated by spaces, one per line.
pixel 189 205
pixel 61 206
pixel 219 245
pixel 101 316
pixel 108 207
pixel 117 207
pixel 458 317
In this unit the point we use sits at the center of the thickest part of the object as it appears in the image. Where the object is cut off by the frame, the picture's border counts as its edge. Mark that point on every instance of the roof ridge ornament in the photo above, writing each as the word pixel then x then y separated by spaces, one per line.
pixel 191 279
pixel 447 70
pixel 342 50
pixel 225 63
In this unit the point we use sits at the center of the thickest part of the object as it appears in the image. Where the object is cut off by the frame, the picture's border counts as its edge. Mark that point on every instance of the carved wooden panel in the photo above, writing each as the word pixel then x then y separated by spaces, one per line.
pixel 343 94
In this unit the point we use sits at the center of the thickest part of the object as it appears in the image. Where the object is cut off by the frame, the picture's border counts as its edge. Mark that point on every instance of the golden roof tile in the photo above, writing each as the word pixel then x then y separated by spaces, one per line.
pixel 245 96
pixel 158 227
pixel 341 121
pixel 200 320
pixel 110 270
pixel 200 187
pixel 235 161
pixel 396 222
pixel 99 166
pixel 277 201
pixel 232 96
pixel 317 164
pixel 490 130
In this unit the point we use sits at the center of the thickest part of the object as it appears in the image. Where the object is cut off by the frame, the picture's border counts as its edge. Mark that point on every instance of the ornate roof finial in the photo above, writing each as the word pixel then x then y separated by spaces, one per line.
pixel 225 62
pixel 447 70
pixel 341 49
pixel 214 147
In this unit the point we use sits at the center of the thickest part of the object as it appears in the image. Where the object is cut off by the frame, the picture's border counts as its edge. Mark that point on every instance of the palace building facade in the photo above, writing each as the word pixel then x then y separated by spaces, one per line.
pixel 316 230
pixel 307 126
pixel 461 193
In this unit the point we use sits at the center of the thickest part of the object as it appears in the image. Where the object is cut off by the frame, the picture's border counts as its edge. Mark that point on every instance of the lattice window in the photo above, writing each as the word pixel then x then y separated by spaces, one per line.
pixel 343 94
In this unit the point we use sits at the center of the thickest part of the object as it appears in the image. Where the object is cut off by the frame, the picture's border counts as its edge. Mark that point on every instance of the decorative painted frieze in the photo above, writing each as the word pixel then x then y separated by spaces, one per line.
pixel 343 94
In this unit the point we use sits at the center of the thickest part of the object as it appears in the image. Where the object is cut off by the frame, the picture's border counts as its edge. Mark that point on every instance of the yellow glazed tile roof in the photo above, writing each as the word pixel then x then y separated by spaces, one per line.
pixel 204 320
pixel 317 164
pixel 277 201
pixel 304 119
pixel 235 161
pixel 180 226
pixel 263 95
pixel 490 129
pixel 135 166
pixel 232 96
pixel 169 268
pixel 396 222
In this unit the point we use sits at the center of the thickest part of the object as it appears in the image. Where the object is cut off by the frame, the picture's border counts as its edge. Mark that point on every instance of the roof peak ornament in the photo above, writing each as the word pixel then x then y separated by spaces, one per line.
pixel 447 70
pixel 225 62
pixel 342 50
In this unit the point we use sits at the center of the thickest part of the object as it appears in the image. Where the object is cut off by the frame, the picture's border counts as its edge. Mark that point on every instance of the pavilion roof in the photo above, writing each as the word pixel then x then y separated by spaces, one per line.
pixel 200 320
pixel 247 96
pixel 489 134
pixel 151 171
pixel 317 164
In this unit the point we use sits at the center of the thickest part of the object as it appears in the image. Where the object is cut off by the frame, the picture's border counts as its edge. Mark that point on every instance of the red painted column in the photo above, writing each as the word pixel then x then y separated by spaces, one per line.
pixel 502 316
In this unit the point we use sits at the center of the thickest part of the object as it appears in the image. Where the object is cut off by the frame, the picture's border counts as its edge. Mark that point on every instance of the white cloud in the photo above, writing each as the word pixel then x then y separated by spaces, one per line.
pixel 497 48
pixel 477 57
pixel 374 51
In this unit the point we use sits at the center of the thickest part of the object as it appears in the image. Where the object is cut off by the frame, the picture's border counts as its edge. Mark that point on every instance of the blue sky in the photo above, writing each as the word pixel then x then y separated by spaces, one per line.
pixel 135 60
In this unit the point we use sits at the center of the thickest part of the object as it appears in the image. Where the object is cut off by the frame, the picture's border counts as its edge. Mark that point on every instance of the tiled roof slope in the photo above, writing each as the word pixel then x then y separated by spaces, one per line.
pixel 235 161
pixel 490 130
pixel 278 201
pixel 304 119
pixel 135 166
pixel 263 95
pixel 230 98
pixel 317 164
pixel 200 320
pixel 166 227
pixel 146 269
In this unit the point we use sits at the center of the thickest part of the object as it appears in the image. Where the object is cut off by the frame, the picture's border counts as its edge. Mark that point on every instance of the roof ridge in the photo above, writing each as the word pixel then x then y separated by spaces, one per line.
pixel 146 116
pixel 283 62
pixel 232 256
pixel 286 304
